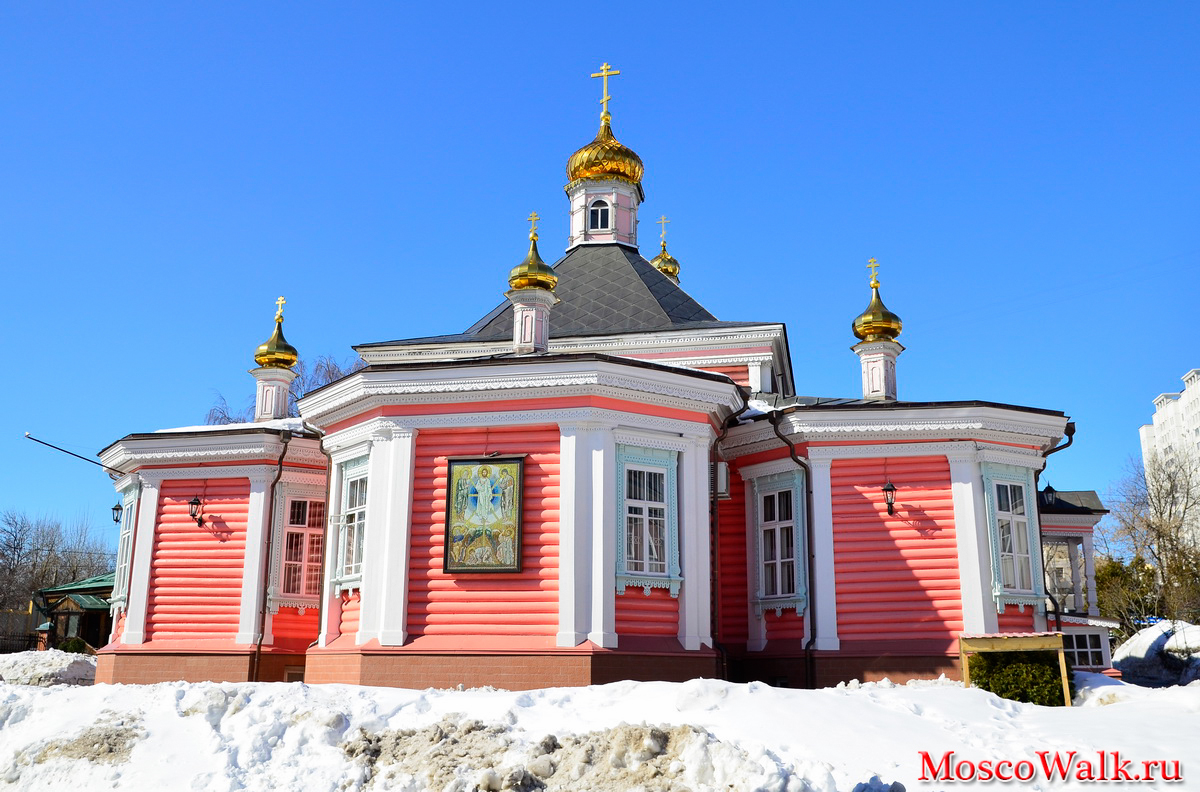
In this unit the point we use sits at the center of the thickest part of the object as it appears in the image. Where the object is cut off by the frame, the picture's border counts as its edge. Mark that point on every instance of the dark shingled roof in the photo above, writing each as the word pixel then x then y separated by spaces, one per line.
pixel 1054 501
pixel 602 289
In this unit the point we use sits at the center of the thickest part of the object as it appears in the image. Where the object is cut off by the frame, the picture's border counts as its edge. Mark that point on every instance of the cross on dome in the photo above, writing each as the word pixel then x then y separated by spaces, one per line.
pixel 533 218
pixel 279 313
pixel 873 265
pixel 662 222
pixel 605 72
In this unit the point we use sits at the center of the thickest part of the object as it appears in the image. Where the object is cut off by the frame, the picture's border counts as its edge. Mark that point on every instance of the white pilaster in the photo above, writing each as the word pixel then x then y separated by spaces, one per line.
pixel 602 629
pixel 695 607
pixel 331 612
pixel 757 633
pixel 393 628
pixel 254 562
pixel 143 550
pixel 878 359
pixel 974 553
pixel 824 583
pixel 375 536
pixel 1076 573
pixel 577 444
pixel 1089 571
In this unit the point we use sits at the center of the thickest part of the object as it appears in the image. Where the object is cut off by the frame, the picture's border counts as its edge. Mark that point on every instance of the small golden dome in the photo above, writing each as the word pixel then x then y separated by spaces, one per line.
pixel 277 352
pixel 877 323
pixel 665 263
pixel 533 273
pixel 605 157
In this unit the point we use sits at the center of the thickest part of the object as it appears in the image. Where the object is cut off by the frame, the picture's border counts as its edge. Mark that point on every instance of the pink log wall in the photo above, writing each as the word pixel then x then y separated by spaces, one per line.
pixel 732 591
pixel 196 571
pixel 290 630
pixel 788 625
pixel 896 577
pixel 739 374
pixel 1013 621
pixel 350 612
pixel 638 614
pixel 524 603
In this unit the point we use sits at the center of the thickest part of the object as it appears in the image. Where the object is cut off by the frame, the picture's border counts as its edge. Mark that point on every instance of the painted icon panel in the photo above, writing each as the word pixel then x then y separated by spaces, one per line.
pixel 483 515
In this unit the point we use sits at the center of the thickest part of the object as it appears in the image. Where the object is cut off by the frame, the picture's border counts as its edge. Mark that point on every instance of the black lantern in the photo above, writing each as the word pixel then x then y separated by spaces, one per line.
pixel 889 495
pixel 116 511
pixel 194 510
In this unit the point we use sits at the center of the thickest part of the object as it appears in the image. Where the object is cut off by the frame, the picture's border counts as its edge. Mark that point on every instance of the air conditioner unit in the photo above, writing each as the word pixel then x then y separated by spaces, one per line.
pixel 718 479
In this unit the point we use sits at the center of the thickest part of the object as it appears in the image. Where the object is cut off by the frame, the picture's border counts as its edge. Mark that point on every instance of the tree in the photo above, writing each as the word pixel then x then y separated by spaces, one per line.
pixel 1152 543
pixel 40 552
pixel 323 371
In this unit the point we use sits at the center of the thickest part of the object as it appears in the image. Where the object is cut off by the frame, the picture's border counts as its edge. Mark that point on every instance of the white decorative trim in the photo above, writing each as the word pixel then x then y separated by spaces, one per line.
pixel 1077 522
pixel 824 594
pixel 761 469
pixel 159 475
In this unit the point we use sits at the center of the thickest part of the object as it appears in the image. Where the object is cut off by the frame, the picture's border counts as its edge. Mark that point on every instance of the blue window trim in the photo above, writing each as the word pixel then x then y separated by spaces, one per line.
pixel 352 469
pixel 793 480
pixel 668 461
pixel 995 473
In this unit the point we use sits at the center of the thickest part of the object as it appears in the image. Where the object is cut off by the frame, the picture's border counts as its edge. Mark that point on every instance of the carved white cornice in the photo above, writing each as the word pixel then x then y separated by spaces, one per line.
pixel 177 449
pixel 761 469
pixel 154 478
pixel 367 390
pixel 982 423
pixel 1075 523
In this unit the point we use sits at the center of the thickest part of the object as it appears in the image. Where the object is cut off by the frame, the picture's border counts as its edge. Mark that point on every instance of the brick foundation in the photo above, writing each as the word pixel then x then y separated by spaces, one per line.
pixel 830 669
pixel 147 668
pixel 508 671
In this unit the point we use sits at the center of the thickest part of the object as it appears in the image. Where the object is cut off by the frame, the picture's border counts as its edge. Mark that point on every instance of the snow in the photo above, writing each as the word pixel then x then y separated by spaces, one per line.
pixel 293 425
pixel 1165 653
pixel 51 667
pixel 650 736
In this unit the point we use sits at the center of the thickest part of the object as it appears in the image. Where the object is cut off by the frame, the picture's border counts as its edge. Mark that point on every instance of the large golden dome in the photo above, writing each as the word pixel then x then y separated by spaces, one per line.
pixel 665 263
pixel 532 273
pixel 877 323
pixel 276 352
pixel 605 157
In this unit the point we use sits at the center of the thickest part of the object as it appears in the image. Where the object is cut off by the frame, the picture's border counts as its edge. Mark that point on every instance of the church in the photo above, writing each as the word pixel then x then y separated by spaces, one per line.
pixel 598 480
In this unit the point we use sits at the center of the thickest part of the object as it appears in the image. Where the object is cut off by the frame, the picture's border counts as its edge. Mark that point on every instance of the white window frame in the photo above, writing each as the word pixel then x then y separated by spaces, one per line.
pixel 792 482
pixel 1012 531
pixel 351 525
pixel 601 205
pixel 994 475
pixel 1089 652
pixel 129 504
pixel 629 574
pixel 307 533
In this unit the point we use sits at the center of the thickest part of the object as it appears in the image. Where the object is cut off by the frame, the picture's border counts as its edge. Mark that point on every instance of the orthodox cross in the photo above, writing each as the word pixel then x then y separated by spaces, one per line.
pixel 606 71
pixel 662 221
pixel 279 313
pixel 533 218
pixel 873 265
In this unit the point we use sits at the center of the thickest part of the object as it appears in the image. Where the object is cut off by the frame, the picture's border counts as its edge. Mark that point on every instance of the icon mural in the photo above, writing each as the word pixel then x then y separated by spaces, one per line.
pixel 483 516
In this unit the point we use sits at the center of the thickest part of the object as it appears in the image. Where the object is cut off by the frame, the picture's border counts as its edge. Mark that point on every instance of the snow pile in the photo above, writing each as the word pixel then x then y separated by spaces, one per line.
pixel 1165 653
pixel 701 736
pixel 51 667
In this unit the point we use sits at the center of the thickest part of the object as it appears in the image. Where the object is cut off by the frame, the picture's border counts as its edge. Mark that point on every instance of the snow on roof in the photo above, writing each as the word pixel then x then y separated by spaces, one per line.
pixel 293 425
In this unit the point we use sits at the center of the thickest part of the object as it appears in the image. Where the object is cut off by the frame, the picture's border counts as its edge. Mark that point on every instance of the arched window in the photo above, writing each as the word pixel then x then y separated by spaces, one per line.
pixel 598 216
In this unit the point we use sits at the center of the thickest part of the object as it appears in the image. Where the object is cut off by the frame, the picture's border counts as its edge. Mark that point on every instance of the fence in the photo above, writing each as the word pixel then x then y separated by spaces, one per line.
pixel 17 642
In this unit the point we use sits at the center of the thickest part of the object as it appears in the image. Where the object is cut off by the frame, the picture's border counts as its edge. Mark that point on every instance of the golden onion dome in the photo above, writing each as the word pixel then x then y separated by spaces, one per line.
pixel 533 273
pixel 605 157
pixel 877 323
pixel 665 263
pixel 277 352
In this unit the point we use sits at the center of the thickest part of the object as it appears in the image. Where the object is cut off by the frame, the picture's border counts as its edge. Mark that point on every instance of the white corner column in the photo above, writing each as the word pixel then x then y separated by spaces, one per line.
pixel 393 621
pixel 380 483
pixel 254 560
pixel 1089 571
pixel 695 608
pixel 602 447
pixel 143 551
pixel 971 535
pixel 577 444
pixel 824 578
pixel 331 613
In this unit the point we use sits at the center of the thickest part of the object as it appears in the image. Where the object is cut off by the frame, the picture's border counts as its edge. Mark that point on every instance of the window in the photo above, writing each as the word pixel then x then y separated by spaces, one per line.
pixel 1012 526
pixel 777 541
pixel 303 548
pixel 647 505
pixel 1083 649
pixel 354 518
pixel 598 216
pixel 124 549
pixel 777 548
pixel 645 521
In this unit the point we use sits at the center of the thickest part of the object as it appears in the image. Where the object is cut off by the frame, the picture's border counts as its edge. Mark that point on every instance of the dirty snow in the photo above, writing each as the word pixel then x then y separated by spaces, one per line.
pixel 700 736
pixel 51 667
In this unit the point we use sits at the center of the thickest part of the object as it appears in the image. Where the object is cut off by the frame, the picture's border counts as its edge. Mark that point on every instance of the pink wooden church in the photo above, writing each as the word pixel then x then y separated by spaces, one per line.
pixel 598 480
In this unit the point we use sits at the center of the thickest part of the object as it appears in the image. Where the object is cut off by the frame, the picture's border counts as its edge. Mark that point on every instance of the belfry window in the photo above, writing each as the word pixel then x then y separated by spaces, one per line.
pixel 598 216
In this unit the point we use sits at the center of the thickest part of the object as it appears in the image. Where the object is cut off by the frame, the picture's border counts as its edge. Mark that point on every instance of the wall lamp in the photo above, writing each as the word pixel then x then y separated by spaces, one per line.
pixel 116 511
pixel 889 495
pixel 194 511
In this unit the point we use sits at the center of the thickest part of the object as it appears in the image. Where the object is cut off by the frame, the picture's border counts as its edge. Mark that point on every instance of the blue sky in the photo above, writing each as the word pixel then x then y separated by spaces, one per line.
pixel 1025 173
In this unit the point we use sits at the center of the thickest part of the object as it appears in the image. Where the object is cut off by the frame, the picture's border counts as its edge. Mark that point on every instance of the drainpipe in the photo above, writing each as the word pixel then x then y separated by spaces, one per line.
pixel 286 437
pixel 1069 431
pixel 714 455
pixel 809 661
